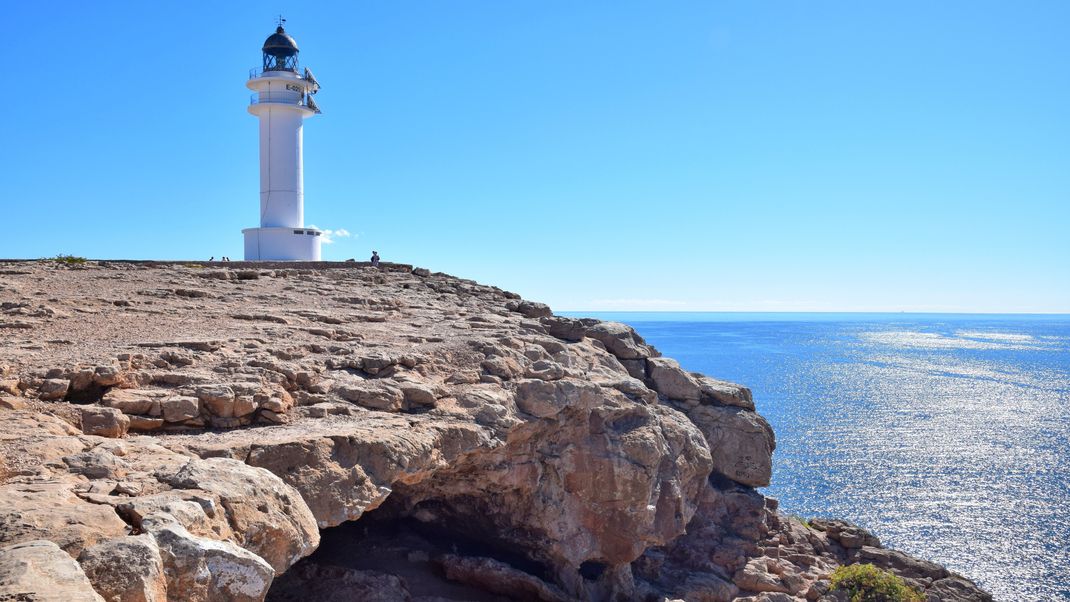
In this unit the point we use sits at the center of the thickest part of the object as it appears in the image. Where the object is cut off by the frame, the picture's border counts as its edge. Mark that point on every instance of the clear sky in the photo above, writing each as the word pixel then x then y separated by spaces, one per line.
pixel 596 155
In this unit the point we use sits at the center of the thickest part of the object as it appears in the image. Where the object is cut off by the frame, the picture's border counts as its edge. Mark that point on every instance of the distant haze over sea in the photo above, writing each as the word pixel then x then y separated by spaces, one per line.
pixel 947 434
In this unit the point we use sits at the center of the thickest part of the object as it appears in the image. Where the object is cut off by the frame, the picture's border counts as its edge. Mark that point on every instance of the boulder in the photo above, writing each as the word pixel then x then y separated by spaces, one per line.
pixel 39 571
pixel 54 388
pixel 756 576
pixel 545 399
pixel 706 587
pixel 97 464
pixel 9 386
pixel 126 569
pixel 107 376
pixel 901 564
pixel 499 578
pixel 373 395
pixel 206 570
pixel 145 423
pixel 268 516
pixel 417 394
pixel 669 379
pixel 956 588
pixel 308 581
pixel 621 340
pixel 741 442
pixel 244 405
pixel 180 408
pixel 104 422
pixel 505 368
pixel 531 309
pixel 719 392
pixel 567 329
pixel 217 399
pixel 13 403
pixel 53 511
pixel 847 534
pixel 134 401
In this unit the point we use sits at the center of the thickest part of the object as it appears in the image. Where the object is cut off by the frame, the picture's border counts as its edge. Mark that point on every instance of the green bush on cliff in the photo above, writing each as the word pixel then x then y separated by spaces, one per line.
pixel 867 583
pixel 69 259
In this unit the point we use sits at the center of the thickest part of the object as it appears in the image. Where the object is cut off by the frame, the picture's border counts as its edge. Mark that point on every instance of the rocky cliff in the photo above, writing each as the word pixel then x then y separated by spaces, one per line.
pixel 189 431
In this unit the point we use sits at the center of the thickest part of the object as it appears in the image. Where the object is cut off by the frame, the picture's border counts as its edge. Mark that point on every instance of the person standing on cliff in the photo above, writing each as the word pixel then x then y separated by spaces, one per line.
pixel 375 259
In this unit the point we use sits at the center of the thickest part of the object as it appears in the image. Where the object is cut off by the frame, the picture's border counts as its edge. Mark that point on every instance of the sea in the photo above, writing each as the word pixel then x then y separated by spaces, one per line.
pixel 947 435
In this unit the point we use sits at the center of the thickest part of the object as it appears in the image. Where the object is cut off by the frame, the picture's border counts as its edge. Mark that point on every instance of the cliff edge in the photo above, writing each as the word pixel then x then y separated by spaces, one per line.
pixel 188 431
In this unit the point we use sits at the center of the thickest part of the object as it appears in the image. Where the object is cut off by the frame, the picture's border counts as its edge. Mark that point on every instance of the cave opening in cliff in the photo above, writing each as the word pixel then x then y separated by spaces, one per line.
pixel 392 548
pixel 92 393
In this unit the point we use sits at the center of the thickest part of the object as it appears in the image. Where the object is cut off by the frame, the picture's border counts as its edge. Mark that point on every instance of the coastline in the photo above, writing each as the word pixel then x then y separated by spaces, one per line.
pixel 443 394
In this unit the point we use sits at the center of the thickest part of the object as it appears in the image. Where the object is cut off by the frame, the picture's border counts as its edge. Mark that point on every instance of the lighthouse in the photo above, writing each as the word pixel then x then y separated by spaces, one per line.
pixel 282 100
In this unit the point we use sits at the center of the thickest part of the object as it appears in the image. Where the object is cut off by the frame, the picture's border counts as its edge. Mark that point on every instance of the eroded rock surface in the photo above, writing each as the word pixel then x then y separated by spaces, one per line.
pixel 184 432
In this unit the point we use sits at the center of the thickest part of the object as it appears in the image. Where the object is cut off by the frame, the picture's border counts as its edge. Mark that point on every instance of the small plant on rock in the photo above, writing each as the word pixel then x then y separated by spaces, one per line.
pixel 69 259
pixel 867 583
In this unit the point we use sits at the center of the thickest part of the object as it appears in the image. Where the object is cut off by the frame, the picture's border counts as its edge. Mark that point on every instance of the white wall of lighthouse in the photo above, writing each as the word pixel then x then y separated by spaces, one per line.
pixel 282 187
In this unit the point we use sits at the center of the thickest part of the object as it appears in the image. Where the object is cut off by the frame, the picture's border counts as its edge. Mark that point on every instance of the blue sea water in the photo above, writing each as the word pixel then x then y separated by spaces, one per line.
pixel 947 435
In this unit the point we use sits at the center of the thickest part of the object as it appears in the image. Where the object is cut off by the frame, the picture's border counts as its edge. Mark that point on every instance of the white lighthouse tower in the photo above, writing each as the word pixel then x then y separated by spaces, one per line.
pixel 282 100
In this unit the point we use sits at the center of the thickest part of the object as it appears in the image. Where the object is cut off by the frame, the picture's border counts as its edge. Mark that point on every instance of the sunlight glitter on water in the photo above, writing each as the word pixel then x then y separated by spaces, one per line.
pixel 947 436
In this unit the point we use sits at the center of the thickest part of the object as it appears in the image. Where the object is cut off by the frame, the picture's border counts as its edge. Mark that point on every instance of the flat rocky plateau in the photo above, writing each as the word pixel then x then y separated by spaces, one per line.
pixel 189 431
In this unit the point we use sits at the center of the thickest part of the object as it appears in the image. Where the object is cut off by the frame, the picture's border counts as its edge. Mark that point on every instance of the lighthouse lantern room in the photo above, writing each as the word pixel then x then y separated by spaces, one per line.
pixel 282 100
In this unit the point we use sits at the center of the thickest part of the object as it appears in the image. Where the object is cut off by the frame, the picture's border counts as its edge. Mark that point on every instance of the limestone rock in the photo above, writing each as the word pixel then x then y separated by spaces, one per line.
pixel 145 423
pixel 847 534
pixel 54 388
pixel 104 422
pixel 567 329
pixel 12 403
pixel 706 587
pixel 956 588
pixel 39 570
pixel 621 340
pixel 531 309
pixel 180 408
pixel 205 570
pixel 499 578
pixel 756 576
pixel 134 401
pixel 9 386
pixel 97 464
pixel 544 399
pixel 53 511
pixel 267 516
pixel 724 393
pixel 107 376
pixel 741 442
pixel 126 569
pixel 338 584
pixel 672 381
pixel 217 399
pixel 373 395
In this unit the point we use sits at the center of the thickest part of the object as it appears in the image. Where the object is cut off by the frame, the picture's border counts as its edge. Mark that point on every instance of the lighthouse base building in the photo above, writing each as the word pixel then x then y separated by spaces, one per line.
pixel 282 100
pixel 282 244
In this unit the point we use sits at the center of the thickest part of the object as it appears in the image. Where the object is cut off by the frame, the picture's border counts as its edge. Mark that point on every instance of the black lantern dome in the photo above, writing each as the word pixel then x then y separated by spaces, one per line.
pixel 280 51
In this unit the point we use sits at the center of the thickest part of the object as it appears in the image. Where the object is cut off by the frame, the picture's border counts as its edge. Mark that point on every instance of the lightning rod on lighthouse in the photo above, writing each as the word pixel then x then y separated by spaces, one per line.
pixel 282 100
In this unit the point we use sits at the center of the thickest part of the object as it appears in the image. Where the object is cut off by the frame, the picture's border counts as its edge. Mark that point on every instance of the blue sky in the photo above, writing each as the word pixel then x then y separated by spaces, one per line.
pixel 597 155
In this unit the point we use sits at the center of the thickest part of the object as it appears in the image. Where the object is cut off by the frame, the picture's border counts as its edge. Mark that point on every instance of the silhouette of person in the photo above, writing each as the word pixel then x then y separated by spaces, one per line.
pixel 375 259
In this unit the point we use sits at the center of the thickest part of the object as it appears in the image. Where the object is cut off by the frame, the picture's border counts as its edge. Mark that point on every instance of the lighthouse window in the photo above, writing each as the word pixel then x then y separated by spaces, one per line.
pixel 299 231
pixel 310 233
